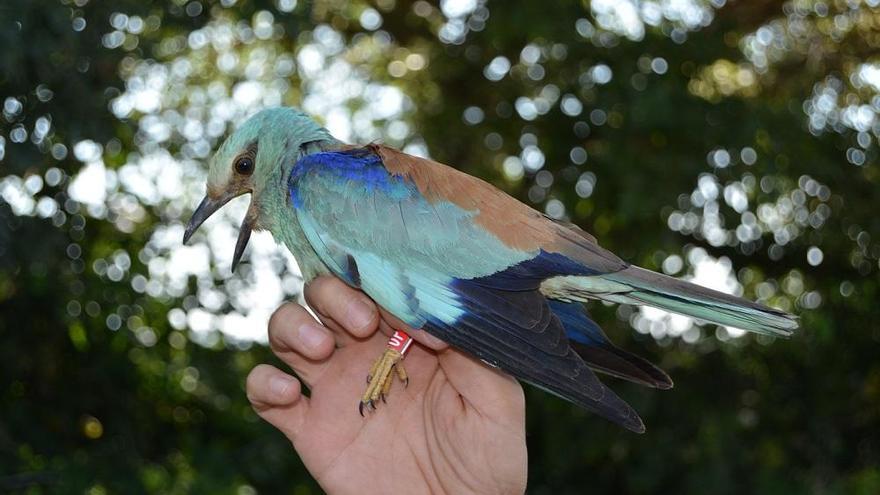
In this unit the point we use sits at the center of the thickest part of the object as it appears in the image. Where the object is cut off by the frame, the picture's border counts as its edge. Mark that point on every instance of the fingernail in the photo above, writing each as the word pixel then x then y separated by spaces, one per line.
pixel 280 385
pixel 311 335
pixel 360 314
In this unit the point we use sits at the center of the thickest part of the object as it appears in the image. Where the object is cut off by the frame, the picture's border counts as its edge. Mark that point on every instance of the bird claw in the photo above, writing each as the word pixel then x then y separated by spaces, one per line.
pixel 370 405
pixel 380 378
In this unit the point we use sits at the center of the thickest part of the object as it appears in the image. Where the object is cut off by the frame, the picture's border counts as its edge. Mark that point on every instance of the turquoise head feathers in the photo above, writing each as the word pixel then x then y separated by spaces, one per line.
pixel 255 156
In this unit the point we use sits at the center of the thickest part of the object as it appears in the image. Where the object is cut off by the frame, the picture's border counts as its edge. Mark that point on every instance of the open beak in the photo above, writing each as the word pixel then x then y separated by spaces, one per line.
pixel 208 207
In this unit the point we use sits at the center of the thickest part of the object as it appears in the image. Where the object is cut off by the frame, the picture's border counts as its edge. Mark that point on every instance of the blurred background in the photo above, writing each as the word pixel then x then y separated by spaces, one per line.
pixel 733 143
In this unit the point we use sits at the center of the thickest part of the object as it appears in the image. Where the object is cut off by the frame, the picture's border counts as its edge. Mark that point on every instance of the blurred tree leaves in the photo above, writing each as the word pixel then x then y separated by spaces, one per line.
pixel 742 131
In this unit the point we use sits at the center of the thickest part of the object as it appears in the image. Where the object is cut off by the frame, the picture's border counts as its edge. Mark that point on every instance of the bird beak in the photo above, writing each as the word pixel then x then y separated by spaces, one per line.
pixel 208 207
pixel 244 235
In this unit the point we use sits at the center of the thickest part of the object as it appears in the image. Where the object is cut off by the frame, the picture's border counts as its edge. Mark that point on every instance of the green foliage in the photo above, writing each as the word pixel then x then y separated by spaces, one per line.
pixel 685 142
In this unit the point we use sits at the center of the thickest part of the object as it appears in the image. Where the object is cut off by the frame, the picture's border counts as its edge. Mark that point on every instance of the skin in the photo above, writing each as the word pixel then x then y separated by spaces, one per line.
pixel 459 427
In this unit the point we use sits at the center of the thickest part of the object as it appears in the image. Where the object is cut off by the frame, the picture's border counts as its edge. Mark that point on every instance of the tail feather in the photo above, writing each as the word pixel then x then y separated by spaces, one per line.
pixel 678 296
pixel 634 285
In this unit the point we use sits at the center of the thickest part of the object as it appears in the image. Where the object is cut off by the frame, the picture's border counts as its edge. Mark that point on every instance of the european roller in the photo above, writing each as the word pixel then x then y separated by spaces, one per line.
pixel 451 254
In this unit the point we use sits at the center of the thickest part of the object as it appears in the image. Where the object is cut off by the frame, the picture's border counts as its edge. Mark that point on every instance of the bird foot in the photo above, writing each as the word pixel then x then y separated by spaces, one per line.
pixel 382 372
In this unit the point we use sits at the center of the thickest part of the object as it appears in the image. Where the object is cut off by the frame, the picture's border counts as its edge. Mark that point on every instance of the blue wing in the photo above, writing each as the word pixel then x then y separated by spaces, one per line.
pixel 431 265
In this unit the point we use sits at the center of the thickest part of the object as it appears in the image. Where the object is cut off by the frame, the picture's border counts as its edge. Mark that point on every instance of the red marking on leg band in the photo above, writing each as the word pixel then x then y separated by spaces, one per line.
pixel 400 342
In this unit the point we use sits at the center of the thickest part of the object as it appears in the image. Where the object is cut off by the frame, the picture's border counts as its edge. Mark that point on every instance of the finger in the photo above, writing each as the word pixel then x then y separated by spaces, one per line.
pixel 488 390
pixel 300 341
pixel 390 323
pixel 342 309
pixel 277 398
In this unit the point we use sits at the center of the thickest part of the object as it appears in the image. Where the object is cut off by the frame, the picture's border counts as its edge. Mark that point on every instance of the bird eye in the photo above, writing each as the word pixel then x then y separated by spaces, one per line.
pixel 244 165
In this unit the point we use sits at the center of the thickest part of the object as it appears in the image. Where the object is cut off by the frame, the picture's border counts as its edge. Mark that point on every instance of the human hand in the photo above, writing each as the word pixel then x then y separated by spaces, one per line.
pixel 459 427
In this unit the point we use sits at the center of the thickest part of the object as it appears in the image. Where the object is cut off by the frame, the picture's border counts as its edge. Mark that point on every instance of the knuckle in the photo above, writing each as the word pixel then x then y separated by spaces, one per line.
pixel 288 315
pixel 322 292
pixel 316 290
pixel 280 315
pixel 254 379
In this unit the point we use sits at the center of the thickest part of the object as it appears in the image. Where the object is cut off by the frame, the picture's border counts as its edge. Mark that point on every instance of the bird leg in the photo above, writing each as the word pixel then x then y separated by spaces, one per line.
pixel 383 370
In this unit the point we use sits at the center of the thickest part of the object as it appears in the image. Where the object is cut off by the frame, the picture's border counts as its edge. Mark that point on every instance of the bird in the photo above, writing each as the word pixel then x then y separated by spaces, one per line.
pixel 453 255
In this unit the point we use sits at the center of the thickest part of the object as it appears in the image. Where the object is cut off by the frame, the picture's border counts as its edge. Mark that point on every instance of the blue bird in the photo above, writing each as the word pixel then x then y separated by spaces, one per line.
pixel 449 253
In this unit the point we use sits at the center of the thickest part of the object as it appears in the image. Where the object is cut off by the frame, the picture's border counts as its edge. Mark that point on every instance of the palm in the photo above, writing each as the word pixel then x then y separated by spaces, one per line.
pixel 458 427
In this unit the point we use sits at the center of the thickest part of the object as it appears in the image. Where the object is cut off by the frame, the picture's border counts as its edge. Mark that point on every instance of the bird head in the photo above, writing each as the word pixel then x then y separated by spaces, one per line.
pixel 262 149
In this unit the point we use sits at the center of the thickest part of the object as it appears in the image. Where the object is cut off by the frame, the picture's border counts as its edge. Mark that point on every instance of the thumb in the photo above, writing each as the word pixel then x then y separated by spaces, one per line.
pixel 277 398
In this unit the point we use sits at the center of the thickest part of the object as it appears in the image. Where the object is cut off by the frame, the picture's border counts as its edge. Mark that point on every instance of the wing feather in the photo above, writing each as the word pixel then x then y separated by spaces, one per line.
pixel 432 263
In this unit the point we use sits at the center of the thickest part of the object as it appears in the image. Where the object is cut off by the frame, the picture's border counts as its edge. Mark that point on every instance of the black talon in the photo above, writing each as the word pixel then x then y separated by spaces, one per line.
pixel 361 409
pixel 406 382
pixel 383 398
